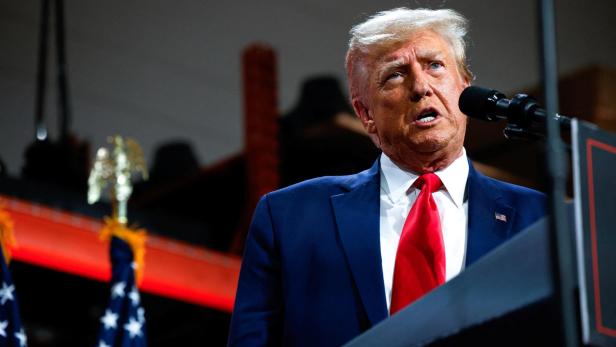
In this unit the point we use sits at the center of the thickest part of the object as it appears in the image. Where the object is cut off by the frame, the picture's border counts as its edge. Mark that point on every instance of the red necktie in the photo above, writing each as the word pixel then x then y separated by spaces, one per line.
pixel 420 258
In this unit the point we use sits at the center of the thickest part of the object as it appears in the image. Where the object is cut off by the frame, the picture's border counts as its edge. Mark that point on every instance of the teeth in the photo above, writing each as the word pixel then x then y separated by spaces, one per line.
pixel 426 119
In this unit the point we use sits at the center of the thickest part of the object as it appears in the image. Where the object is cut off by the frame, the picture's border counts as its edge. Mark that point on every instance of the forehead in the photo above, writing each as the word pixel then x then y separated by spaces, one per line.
pixel 421 44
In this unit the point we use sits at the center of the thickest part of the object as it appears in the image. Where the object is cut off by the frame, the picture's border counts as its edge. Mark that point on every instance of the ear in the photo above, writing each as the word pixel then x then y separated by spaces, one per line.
pixel 364 115
pixel 466 81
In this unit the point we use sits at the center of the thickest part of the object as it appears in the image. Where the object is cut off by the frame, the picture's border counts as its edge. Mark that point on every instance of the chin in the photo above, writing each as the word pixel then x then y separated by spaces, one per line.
pixel 429 145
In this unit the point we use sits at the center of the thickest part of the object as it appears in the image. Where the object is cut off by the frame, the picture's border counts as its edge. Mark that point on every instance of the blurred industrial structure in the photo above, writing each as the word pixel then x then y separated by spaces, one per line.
pixel 198 213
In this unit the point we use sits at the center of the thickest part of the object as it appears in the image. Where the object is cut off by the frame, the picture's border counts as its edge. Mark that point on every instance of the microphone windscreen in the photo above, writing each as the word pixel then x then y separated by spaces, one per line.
pixel 478 102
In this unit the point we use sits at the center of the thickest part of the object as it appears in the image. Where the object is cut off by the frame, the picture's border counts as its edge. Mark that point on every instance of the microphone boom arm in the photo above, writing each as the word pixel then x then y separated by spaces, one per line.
pixel 525 119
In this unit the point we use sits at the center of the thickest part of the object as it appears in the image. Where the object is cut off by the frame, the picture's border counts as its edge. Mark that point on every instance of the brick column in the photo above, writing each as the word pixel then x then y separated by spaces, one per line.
pixel 260 90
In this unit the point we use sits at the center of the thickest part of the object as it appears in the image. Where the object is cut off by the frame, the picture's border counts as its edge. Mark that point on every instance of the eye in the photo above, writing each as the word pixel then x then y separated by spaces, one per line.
pixel 435 65
pixel 395 75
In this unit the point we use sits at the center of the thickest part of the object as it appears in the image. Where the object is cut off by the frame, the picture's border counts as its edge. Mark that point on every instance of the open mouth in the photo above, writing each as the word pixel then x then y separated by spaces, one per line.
pixel 427 116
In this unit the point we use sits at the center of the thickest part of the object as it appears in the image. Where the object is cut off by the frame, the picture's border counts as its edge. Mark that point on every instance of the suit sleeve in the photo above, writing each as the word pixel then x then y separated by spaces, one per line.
pixel 256 319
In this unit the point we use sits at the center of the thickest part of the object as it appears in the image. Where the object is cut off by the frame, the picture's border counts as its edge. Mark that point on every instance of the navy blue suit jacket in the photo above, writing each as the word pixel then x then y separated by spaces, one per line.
pixel 311 273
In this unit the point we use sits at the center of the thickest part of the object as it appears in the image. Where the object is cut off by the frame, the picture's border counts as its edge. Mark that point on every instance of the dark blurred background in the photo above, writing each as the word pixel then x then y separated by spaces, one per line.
pixel 230 100
pixel 163 70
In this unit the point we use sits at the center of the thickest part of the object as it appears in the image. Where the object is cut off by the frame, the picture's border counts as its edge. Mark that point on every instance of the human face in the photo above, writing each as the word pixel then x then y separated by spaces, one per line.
pixel 410 103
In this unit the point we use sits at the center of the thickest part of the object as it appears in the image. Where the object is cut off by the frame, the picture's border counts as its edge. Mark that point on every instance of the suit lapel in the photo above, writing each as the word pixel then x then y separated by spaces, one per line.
pixel 357 219
pixel 489 219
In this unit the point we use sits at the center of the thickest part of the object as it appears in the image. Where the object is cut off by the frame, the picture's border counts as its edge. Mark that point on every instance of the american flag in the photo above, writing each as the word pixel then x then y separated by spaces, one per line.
pixel 501 217
pixel 123 323
pixel 11 331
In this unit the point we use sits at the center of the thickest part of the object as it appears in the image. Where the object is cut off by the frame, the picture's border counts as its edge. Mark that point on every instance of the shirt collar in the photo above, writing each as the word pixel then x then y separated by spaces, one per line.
pixel 395 182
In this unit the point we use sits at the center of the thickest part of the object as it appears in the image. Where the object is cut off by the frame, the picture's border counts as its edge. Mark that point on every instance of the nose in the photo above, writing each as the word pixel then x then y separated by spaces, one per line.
pixel 420 87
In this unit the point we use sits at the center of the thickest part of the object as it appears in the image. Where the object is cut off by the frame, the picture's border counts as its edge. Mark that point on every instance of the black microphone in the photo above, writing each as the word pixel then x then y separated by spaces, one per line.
pixel 491 105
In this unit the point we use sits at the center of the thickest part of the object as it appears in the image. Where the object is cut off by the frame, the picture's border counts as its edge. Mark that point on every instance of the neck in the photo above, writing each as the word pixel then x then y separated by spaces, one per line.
pixel 427 162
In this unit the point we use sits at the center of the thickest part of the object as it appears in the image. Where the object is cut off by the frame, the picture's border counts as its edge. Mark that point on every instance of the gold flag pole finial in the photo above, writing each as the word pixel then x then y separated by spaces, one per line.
pixel 115 168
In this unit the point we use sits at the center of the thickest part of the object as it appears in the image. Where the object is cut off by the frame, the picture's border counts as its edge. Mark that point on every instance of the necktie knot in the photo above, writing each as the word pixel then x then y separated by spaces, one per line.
pixel 430 181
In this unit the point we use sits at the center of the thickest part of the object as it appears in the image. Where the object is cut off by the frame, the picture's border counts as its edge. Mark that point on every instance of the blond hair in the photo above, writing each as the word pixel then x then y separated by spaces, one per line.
pixel 390 27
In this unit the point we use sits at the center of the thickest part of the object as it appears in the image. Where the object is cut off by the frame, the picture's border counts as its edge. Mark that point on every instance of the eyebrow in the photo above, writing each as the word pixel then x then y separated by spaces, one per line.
pixel 430 54
pixel 420 54
pixel 394 64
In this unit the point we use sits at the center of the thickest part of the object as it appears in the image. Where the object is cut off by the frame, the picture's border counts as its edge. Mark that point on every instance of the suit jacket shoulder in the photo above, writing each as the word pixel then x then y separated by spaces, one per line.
pixel 298 284
pixel 497 211
pixel 327 185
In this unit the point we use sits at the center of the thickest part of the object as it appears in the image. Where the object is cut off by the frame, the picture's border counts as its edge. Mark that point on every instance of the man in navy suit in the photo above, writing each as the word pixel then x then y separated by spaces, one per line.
pixel 319 257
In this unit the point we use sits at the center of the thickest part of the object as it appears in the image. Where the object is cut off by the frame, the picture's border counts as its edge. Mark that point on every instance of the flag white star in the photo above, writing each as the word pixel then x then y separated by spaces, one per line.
pixel 21 336
pixel 110 320
pixel 134 296
pixel 6 293
pixel 133 327
pixel 102 344
pixel 118 290
pixel 141 315
pixel 3 325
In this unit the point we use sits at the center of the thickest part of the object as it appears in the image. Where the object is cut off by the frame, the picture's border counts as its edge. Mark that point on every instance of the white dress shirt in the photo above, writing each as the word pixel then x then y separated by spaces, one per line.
pixel 397 196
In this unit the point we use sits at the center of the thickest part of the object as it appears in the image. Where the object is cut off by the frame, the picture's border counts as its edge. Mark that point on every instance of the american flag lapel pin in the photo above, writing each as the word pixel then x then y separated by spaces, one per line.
pixel 501 217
